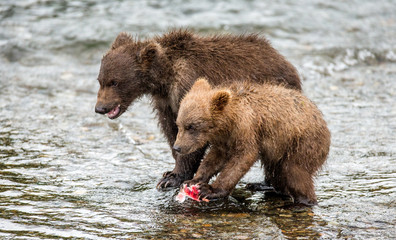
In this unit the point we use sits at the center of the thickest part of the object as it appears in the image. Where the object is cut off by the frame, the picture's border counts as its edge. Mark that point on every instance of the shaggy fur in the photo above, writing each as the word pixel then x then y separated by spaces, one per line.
pixel 166 67
pixel 245 122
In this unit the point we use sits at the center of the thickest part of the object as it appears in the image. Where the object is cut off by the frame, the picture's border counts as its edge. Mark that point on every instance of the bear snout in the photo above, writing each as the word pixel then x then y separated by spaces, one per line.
pixel 101 109
pixel 176 148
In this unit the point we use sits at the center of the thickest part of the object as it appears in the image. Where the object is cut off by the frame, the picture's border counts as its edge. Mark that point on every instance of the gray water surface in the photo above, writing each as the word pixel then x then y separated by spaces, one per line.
pixel 67 173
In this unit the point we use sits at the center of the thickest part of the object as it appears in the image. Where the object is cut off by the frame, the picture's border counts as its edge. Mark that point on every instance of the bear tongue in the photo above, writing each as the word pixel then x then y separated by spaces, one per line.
pixel 114 112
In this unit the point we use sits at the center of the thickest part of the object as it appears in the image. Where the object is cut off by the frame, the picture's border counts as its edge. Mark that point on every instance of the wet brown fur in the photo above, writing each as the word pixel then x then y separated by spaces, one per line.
pixel 166 67
pixel 245 122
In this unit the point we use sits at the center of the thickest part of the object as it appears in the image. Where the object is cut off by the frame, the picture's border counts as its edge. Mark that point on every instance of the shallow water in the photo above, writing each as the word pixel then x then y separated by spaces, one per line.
pixel 68 173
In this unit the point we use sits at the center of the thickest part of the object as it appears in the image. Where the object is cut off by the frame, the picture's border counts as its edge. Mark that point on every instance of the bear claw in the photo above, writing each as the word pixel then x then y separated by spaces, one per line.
pixel 206 191
pixel 170 180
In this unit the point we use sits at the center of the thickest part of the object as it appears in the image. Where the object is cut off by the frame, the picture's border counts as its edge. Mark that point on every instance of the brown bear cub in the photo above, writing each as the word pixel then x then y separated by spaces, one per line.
pixel 244 122
pixel 165 67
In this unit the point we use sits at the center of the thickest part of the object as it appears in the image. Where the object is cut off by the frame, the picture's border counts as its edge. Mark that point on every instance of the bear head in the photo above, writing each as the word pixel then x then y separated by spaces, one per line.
pixel 198 115
pixel 125 74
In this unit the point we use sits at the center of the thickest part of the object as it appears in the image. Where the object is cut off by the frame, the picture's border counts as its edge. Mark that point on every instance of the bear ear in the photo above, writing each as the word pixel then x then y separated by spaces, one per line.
pixel 219 100
pixel 122 39
pixel 201 84
pixel 148 53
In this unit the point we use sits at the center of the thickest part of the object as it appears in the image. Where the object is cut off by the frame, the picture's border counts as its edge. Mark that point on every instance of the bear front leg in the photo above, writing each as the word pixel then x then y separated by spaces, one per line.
pixel 185 166
pixel 211 165
pixel 232 172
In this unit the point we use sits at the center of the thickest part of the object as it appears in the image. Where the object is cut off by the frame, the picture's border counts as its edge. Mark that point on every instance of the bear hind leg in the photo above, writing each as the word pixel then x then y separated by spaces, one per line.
pixel 297 182
pixel 301 186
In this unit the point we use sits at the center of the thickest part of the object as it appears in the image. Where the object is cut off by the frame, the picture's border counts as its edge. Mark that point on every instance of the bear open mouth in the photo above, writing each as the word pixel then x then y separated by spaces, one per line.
pixel 114 112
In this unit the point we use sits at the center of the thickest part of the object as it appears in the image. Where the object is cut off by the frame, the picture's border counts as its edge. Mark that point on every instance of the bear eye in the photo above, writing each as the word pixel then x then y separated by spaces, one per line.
pixel 114 83
pixel 190 127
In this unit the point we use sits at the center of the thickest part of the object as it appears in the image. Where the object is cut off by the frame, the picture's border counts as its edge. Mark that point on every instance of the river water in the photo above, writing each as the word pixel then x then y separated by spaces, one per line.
pixel 68 173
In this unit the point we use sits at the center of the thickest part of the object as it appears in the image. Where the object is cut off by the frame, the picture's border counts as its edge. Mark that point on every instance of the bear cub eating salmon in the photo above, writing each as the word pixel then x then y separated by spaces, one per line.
pixel 244 122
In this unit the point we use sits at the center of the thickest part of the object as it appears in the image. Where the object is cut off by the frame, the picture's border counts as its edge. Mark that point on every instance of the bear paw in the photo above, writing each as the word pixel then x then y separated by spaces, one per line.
pixel 192 182
pixel 305 201
pixel 170 180
pixel 263 186
pixel 206 191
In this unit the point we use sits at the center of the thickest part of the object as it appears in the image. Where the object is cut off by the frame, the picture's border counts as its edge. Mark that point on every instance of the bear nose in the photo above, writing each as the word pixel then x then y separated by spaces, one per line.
pixel 177 148
pixel 101 110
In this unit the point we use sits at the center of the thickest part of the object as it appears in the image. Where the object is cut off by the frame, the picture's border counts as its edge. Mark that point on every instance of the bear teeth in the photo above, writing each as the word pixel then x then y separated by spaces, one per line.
pixel 113 113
